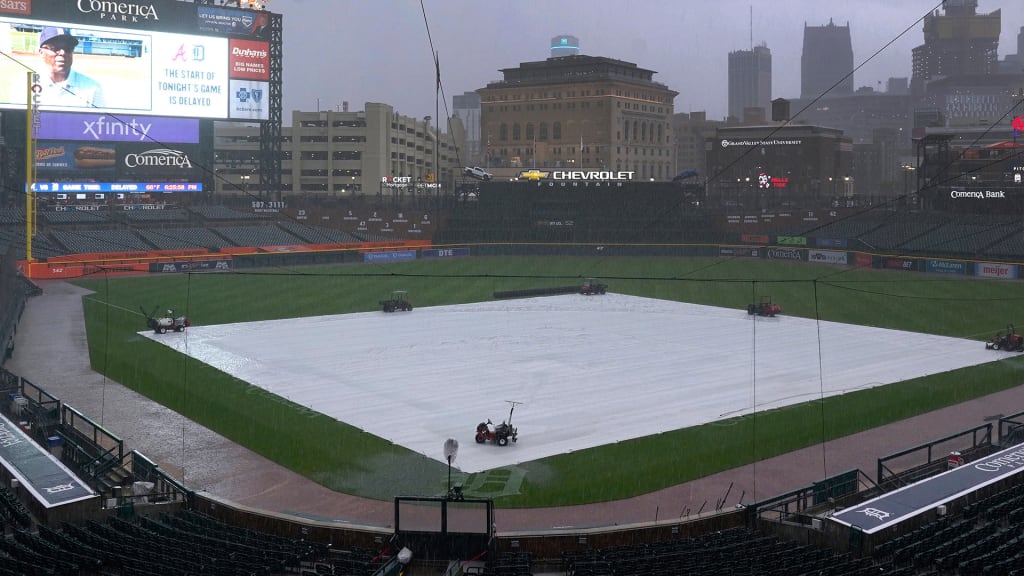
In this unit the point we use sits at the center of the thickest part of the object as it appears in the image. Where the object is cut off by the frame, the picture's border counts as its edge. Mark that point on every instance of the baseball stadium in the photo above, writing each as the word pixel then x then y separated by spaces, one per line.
pixel 584 375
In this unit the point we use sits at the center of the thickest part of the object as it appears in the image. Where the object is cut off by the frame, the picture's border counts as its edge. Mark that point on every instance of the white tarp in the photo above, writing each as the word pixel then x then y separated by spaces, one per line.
pixel 589 370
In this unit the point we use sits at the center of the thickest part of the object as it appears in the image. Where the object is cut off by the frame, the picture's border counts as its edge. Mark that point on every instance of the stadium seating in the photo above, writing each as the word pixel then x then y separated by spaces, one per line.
pixel 317 235
pixel 183 238
pixel 99 241
pixel 12 216
pixel 257 236
pixel 222 213
pixel 143 217
pixel 76 217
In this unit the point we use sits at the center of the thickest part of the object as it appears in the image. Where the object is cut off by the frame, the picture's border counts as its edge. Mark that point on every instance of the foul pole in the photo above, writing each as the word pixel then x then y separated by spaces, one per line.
pixel 30 164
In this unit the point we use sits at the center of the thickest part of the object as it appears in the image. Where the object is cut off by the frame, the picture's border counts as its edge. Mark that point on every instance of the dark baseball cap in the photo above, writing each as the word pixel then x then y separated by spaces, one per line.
pixel 51 34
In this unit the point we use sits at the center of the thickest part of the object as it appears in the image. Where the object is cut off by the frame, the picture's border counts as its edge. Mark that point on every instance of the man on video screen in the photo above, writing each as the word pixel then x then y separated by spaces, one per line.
pixel 62 86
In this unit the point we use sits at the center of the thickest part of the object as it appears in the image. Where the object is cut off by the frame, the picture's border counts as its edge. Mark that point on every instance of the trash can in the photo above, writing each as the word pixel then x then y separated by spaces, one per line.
pixel 56 446
pixel 17 404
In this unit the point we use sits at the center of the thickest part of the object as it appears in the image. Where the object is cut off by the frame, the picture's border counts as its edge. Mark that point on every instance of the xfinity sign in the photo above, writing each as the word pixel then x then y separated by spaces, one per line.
pixel 120 128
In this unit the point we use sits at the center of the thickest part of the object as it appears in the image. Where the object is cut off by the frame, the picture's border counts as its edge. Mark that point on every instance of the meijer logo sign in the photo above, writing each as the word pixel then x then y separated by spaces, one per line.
pixel 991 270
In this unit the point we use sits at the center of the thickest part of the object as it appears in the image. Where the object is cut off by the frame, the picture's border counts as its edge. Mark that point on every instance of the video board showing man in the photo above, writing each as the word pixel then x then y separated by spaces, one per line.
pixel 60 83
pixel 76 68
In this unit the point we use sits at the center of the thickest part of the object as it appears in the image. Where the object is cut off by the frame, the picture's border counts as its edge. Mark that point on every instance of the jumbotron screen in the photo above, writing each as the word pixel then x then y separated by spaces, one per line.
pixel 158 57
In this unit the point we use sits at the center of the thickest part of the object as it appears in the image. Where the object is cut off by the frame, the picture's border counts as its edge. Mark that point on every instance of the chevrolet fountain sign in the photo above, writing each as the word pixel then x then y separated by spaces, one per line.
pixel 591 175
pixel 604 175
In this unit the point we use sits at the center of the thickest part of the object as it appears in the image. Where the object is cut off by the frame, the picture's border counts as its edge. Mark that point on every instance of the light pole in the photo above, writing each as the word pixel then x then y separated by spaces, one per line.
pixel 451 450
pixel 907 169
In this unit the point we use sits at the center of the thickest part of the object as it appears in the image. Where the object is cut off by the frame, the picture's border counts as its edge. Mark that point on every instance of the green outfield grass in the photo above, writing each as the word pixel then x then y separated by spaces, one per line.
pixel 348 460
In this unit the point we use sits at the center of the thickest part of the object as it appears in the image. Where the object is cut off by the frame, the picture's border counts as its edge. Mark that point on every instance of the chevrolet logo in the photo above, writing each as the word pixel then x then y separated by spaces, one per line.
pixel 533 175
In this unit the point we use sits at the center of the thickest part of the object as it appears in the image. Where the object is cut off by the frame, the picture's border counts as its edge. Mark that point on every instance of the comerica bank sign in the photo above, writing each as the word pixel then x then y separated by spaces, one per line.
pixel 977 194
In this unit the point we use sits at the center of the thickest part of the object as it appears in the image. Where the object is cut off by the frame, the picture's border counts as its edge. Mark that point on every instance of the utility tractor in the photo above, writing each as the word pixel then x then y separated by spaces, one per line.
pixel 398 300
pixel 500 434
pixel 764 308
pixel 161 324
pixel 1010 341
pixel 592 286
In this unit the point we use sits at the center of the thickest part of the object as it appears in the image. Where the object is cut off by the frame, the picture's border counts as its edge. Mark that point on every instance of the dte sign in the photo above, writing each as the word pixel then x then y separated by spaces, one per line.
pixel 444 252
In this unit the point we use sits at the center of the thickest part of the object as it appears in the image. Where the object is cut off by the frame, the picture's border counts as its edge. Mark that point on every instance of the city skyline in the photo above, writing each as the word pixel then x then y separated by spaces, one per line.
pixel 387 55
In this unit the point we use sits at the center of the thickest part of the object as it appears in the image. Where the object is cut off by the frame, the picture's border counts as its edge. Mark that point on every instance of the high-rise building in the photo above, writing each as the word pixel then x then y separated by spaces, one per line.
pixel 827 59
pixel 580 113
pixel 958 42
pixel 691 132
pixel 467 108
pixel 750 81
pixel 564 45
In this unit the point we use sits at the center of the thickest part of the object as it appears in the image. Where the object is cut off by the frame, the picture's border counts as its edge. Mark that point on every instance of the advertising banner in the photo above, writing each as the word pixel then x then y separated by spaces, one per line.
pixel 23 7
pixel 830 242
pixel 784 254
pixel 166 15
pixel 862 260
pixel 907 264
pixel 992 270
pixel 945 267
pixel 74 156
pixel 394 256
pixel 249 60
pixel 791 240
pixel 444 252
pixel 233 22
pixel 249 100
pixel 190 265
pixel 738 251
pixel 151 161
pixel 827 257
pixel 119 128
pixel 755 238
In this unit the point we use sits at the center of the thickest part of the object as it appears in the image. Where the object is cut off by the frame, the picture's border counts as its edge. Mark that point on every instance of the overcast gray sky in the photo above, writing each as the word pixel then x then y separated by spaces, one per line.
pixel 379 51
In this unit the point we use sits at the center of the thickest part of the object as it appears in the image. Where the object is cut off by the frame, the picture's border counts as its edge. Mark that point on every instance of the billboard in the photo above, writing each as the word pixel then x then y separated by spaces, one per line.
pixel 995 270
pixel 123 128
pixel 139 58
pixel 116 161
